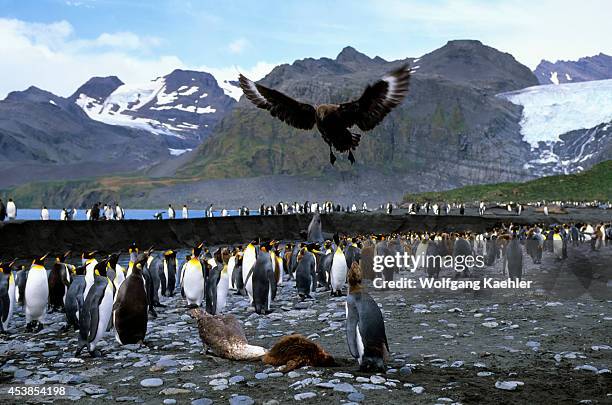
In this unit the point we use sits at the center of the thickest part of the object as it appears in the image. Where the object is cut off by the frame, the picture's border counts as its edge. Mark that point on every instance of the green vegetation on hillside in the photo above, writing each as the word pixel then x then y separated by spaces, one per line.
pixel 593 184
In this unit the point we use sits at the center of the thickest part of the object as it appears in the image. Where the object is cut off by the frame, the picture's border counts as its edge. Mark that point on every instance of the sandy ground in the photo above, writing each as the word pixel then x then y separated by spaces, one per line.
pixel 446 347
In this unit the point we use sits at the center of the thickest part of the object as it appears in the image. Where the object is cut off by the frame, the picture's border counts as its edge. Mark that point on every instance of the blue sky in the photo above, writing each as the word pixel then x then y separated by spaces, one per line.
pixel 58 44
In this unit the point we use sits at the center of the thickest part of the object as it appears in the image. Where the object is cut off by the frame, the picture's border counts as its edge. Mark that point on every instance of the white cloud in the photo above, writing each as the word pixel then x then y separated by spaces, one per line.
pixel 529 30
pixel 238 45
pixel 256 72
pixel 49 56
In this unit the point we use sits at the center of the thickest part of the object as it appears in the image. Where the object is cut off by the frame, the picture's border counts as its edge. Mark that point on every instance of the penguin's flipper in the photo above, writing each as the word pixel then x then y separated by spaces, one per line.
pixel 272 281
pixel 6 303
pixel 352 320
pixel 21 284
pixel 95 317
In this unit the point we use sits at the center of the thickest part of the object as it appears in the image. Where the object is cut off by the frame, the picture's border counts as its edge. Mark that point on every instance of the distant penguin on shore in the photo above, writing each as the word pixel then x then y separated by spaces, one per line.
pixel 365 326
pixel 36 294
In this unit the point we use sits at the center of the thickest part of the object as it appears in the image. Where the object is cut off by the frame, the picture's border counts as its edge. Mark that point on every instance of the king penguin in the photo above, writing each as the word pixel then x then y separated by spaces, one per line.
pixel 248 261
pixel 36 294
pixel 263 280
pixel 117 270
pixel 96 313
pixel 7 295
pixel 60 278
pixel 168 274
pixel 338 271
pixel 193 279
pixel 130 306
pixel 306 273
pixel 217 286
pixel 365 326
pixel 90 269
pixel 75 299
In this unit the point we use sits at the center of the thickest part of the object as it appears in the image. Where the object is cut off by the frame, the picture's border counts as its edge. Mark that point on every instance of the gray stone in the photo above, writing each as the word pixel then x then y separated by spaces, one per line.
pixel 169 401
pixel 236 379
pixel 241 400
pixel 356 397
pixel 152 382
pixel 202 401
pixel 406 370
pixel 304 395
pixel 344 387
pixel 261 376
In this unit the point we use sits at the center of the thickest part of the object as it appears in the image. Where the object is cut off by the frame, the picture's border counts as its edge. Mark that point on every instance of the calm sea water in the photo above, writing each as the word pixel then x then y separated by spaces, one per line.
pixel 34 214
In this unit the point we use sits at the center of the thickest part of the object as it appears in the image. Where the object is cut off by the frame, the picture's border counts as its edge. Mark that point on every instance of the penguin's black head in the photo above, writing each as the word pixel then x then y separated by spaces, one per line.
pixel 80 271
pixel 169 254
pixel 113 259
pixel 89 255
pixel 40 260
pixel 62 257
pixel 197 250
pixel 336 239
pixel 133 248
pixel 265 246
pixel 101 267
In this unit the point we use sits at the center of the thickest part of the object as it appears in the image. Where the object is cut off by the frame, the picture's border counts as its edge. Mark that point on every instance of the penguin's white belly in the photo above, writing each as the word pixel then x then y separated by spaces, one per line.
pixel 338 272
pixel 230 271
pixel 11 294
pixel 420 252
pixel 104 313
pixel 247 264
pixel 36 295
pixel 558 248
pixel 359 343
pixel 193 284
pixel 281 273
pixel 222 289
pixel 119 277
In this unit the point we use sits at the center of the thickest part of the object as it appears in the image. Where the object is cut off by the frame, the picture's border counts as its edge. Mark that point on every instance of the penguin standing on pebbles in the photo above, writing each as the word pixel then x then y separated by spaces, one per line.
pixel 365 326
pixel 306 271
pixel 59 281
pixel 130 306
pixel 96 313
pixel 264 281
pixel 36 294
pixel 249 258
pixel 338 271
pixel 7 295
pixel 75 299
pixel 217 286
pixel 193 279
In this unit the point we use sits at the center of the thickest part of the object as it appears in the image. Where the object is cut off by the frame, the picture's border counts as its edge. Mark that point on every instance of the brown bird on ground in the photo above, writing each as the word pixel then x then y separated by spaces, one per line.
pixel 334 120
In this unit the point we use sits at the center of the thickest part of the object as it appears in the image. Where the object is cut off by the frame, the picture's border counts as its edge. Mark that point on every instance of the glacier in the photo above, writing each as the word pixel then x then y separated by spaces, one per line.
pixel 553 110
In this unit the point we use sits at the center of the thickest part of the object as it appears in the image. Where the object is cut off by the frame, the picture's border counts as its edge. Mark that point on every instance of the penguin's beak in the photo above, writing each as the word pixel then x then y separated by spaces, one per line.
pixel 44 257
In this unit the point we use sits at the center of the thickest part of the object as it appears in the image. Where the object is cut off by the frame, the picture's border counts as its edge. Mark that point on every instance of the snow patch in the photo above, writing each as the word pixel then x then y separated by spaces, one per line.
pixel 568 77
pixel 552 110
pixel 52 102
pixel 554 78
pixel 178 152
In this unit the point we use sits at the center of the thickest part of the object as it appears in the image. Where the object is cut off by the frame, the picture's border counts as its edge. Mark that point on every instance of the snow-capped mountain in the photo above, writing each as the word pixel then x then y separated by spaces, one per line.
pixel 598 67
pixel 183 106
pixel 569 126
